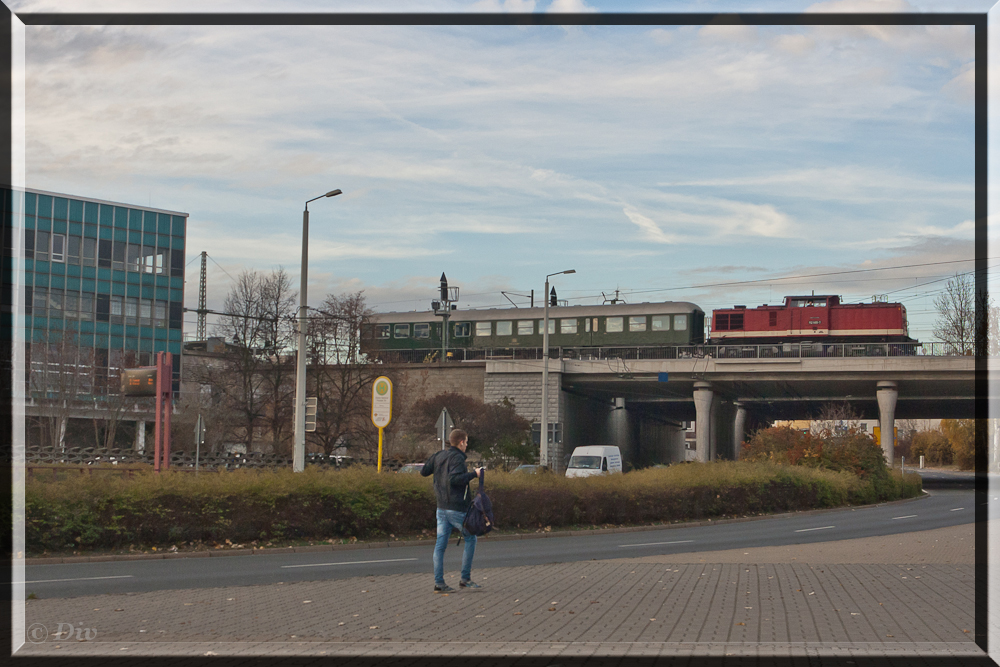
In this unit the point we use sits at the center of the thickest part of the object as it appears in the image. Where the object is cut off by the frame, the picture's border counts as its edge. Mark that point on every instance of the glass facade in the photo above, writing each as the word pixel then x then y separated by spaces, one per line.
pixel 101 278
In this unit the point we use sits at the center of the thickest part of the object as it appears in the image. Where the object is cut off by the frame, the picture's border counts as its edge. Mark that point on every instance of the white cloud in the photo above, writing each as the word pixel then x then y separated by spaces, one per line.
pixel 570 6
pixel 650 230
pixel 742 34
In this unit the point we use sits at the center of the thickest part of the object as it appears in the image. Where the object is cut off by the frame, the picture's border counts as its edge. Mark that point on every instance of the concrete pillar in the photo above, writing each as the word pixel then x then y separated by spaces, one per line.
pixel 887 394
pixel 140 436
pixel 739 424
pixel 713 436
pixel 703 420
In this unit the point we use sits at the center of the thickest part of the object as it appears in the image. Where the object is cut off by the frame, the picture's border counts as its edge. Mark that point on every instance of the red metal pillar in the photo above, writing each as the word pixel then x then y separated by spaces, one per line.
pixel 164 408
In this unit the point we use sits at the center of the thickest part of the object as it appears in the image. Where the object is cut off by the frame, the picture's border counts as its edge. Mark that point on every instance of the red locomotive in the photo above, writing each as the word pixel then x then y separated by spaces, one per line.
pixel 821 319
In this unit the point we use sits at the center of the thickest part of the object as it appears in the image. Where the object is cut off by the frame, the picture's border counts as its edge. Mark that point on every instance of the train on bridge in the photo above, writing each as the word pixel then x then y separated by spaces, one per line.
pixel 812 320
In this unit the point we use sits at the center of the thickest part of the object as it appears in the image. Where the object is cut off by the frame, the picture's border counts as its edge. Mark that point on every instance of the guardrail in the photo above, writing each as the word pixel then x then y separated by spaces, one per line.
pixel 632 353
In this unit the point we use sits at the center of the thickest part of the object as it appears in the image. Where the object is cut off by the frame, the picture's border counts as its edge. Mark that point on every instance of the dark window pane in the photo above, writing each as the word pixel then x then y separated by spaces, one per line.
pixel 29 243
pixel 103 307
pixel 176 314
pixel 177 263
pixel 104 255
pixel 27 301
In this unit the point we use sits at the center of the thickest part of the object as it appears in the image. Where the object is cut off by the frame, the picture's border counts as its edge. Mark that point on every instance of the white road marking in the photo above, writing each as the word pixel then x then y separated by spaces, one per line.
pixel 46 581
pixel 805 530
pixel 908 516
pixel 653 544
pixel 956 509
pixel 353 562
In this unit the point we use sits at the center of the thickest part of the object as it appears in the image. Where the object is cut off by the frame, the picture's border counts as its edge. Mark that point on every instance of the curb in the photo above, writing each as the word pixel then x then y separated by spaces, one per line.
pixel 105 558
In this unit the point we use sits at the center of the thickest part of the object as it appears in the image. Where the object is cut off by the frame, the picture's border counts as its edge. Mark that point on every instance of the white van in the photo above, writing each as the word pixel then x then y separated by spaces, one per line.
pixel 594 460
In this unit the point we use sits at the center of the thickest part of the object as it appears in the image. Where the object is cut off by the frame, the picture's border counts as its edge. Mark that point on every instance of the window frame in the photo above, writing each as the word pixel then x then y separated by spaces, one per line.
pixel 566 329
pixel 397 328
pixel 634 324
pixel 526 327
pixel 462 329
pixel 662 320
pixel 505 328
pixel 484 329
pixel 617 322
pixel 422 330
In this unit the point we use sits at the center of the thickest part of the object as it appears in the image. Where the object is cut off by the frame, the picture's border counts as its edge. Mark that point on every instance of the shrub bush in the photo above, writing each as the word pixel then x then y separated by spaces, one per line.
pixel 247 506
pixel 933 446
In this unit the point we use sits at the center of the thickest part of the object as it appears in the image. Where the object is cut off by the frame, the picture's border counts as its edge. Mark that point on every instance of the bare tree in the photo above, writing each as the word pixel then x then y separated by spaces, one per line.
pixel 59 373
pixel 256 377
pixel 339 375
pixel 956 323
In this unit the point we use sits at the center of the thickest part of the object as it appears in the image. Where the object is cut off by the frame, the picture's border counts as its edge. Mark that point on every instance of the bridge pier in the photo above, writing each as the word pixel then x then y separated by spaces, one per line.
pixel 140 436
pixel 703 401
pixel 739 424
pixel 887 394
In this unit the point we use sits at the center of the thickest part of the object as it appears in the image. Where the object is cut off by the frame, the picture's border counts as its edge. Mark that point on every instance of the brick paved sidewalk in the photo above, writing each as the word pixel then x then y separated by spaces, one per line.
pixel 673 606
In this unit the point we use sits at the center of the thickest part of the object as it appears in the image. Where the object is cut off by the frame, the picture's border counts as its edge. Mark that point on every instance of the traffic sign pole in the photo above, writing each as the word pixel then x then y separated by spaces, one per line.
pixel 381 409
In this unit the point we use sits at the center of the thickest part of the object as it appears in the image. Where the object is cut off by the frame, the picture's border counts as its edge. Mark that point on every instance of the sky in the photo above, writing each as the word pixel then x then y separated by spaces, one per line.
pixel 719 165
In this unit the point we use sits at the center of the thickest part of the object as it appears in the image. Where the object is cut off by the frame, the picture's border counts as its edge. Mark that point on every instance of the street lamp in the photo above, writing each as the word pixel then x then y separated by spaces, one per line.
pixel 544 438
pixel 299 448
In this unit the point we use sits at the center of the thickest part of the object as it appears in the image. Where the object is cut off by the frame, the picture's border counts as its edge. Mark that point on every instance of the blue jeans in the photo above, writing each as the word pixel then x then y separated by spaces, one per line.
pixel 447 521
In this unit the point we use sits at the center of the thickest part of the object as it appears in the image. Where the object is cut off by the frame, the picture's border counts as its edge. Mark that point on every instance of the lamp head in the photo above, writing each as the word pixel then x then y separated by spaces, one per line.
pixel 333 193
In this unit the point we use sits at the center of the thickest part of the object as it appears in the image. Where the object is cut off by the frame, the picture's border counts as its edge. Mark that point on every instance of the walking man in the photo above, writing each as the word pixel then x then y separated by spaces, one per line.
pixel 451 486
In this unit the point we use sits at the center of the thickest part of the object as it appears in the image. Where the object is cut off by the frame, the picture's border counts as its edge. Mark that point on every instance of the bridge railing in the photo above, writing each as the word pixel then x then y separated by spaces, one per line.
pixel 633 353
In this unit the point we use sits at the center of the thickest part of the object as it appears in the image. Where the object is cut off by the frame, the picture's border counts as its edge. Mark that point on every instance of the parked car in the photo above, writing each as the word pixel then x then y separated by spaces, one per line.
pixel 594 460
pixel 411 467
pixel 527 469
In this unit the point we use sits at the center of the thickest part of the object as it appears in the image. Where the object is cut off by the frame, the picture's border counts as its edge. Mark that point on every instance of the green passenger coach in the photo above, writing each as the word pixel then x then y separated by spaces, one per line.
pixel 645 324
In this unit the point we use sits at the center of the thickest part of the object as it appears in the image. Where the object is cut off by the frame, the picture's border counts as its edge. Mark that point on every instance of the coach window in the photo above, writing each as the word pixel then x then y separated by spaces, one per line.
pixel 505 328
pixel 484 328
pixel 567 326
pixel 613 325
pixel 382 330
pixel 680 322
pixel 525 327
pixel 552 326
pixel 637 323
pixel 422 330
pixel 463 329
pixel 586 325
pixel 401 331
pixel 661 323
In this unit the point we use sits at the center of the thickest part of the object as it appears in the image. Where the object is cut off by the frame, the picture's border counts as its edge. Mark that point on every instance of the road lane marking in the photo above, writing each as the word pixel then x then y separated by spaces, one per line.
pixel 908 516
pixel 956 509
pixel 653 544
pixel 46 581
pixel 805 530
pixel 353 562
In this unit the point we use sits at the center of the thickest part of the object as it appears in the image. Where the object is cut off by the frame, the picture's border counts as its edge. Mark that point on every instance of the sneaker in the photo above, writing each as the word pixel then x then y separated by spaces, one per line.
pixel 468 584
pixel 444 589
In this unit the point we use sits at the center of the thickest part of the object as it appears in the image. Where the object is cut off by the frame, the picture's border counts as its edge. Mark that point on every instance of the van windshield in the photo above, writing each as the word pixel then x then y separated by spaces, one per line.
pixel 586 462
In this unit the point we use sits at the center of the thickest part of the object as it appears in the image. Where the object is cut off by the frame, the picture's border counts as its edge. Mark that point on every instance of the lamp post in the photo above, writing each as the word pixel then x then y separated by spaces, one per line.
pixel 544 436
pixel 299 448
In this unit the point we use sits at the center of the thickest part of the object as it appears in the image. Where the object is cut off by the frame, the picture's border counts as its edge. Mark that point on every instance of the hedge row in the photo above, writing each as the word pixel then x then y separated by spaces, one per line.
pixel 260 506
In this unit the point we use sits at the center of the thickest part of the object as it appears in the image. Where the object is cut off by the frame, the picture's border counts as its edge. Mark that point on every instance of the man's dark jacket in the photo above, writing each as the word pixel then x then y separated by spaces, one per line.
pixel 451 479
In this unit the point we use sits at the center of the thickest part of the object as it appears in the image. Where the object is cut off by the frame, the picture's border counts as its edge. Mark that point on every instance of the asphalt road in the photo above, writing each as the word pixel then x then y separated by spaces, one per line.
pixel 942 507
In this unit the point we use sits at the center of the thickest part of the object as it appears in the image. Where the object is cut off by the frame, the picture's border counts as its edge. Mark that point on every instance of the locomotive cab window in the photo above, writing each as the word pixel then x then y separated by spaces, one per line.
pixel 463 329
pixel 525 327
pixel 637 323
pixel 422 330
pixel 680 322
pixel 808 303
pixel 661 323
pixel 567 326
pixel 505 328
pixel 613 325
pixel 401 331
pixel 484 328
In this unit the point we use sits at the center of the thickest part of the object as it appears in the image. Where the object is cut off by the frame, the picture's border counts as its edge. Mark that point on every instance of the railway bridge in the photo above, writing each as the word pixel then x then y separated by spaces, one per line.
pixel 641 404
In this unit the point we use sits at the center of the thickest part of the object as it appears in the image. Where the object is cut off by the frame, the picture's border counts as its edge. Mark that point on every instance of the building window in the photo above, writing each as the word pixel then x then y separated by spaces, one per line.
pixel 145 312
pixel 131 310
pixel 422 330
pixel 463 329
pixel 29 244
pixel 505 328
pixel 382 330
pixel 637 323
pixel 42 246
pixel 74 249
pixel 59 248
pixel 116 309
pixel 525 327
pixel 118 256
pixel 89 252
pixel 132 257
pixel 104 253
pixel 70 306
pixel 55 302
pixel 613 325
pixel 401 331
pixel 680 322
pixel 159 313
pixel 40 302
pixel 567 326
pixel 86 306
pixel 661 323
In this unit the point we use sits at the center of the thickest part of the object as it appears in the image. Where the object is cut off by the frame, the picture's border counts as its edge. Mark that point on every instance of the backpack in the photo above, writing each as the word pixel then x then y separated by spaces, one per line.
pixel 479 517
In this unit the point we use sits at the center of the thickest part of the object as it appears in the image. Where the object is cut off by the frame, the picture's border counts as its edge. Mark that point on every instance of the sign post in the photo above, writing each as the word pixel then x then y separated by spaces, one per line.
pixel 381 409
pixel 444 426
